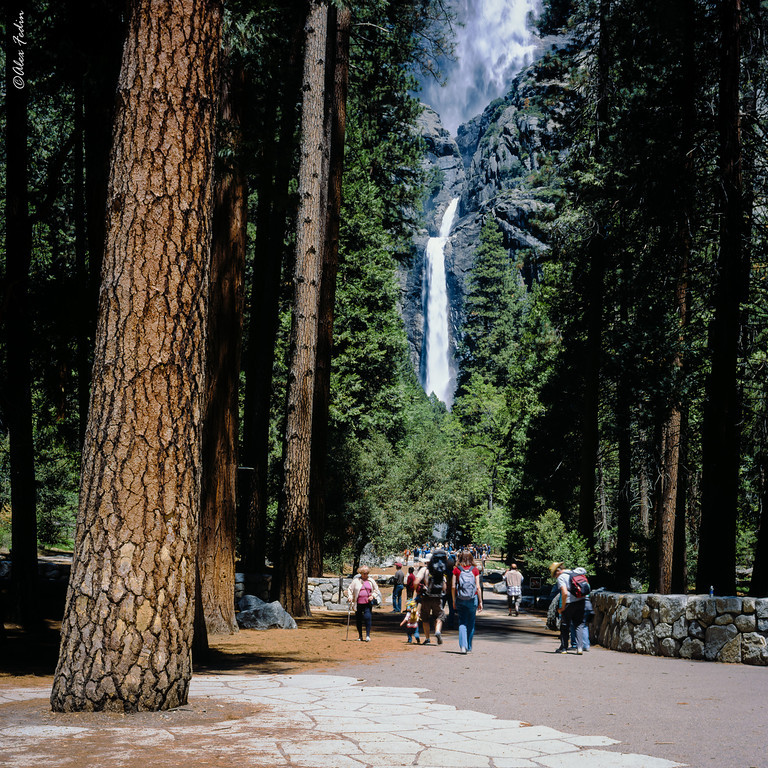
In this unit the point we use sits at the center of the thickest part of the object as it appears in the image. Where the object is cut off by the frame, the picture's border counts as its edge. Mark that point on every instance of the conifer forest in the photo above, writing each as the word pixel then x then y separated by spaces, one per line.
pixel 216 298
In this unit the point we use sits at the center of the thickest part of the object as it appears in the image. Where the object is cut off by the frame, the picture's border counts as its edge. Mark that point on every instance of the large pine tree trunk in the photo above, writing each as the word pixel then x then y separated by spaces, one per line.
pixel 216 557
pixel 722 415
pixel 17 398
pixel 338 39
pixel 127 629
pixel 274 170
pixel 294 515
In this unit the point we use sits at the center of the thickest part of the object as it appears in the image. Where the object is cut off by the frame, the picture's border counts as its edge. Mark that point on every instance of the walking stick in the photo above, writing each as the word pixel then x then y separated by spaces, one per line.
pixel 349 613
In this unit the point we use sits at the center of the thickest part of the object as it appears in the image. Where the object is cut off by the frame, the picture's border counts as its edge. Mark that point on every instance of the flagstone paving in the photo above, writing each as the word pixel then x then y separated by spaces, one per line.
pixel 304 721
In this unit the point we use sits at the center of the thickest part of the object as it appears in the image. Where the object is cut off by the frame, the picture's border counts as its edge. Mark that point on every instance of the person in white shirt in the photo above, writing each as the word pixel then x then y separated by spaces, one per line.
pixel 514 581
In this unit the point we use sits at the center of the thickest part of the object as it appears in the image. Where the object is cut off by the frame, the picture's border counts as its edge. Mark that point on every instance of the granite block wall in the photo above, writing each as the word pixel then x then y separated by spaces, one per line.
pixel 727 629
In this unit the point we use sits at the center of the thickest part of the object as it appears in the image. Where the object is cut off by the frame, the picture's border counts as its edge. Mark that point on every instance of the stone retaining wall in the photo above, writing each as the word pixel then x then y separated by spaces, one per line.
pixel 323 592
pixel 728 629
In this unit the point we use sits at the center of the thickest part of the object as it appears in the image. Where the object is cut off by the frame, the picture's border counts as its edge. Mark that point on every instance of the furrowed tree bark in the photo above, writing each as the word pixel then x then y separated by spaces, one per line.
pixel 216 555
pixel 338 42
pixel 127 628
pixel 17 398
pixel 294 513
pixel 722 414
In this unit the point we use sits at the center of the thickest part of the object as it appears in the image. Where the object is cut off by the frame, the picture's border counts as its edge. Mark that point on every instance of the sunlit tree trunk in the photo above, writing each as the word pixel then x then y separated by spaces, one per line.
pixel 294 514
pixel 127 628
pixel 338 39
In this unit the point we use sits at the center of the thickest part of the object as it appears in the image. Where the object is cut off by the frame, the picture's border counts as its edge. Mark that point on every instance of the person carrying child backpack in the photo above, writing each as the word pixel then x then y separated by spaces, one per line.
pixel 467 598
pixel 574 588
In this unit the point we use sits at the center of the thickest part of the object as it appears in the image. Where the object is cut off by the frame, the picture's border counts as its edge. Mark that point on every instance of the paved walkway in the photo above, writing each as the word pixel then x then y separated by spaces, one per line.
pixel 428 707
pixel 311 721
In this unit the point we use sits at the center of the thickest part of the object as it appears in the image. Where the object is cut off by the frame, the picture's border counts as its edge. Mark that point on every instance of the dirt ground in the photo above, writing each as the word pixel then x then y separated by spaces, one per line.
pixel 320 642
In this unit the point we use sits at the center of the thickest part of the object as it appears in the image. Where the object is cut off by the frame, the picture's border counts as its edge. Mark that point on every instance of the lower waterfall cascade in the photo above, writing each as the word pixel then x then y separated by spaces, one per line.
pixel 437 371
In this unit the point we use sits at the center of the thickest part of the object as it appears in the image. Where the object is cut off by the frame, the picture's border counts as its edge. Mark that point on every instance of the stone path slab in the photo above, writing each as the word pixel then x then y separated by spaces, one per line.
pixel 314 721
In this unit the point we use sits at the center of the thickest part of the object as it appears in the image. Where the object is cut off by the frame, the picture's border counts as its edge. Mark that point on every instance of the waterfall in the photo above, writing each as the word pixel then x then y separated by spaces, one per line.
pixel 437 370
pixel 493 43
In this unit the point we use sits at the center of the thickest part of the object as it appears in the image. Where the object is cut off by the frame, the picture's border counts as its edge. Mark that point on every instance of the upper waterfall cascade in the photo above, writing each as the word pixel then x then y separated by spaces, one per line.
pixel 437 377
pixel 493 42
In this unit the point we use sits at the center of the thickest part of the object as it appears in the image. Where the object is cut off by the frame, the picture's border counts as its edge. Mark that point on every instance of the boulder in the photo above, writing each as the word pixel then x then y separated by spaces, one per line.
pixel 250 603
pixel 265 616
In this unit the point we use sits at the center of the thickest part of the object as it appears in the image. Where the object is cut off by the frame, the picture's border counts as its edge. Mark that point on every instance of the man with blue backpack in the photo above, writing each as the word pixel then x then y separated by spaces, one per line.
pixel 574 588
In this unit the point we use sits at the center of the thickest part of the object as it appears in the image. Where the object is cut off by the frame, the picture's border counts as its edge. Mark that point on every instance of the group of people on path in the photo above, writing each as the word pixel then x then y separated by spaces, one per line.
pixel 441 581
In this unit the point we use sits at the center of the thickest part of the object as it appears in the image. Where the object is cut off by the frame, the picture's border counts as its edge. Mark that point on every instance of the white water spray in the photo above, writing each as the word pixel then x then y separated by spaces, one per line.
pixel 437 376
pixel 493 44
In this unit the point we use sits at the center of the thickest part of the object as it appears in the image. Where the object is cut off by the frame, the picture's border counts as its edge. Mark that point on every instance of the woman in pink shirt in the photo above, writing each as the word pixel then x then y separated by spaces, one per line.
pixel 362 593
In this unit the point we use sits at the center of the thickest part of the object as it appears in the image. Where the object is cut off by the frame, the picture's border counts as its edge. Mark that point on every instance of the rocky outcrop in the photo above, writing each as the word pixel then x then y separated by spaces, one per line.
pixel 444 166
pixel 500 165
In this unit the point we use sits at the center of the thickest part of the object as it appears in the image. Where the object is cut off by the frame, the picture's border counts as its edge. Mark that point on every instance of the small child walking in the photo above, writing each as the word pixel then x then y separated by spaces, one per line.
pixel 411 620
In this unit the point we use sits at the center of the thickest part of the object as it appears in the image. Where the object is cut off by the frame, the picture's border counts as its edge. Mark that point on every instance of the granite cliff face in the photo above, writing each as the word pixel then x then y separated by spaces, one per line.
pixel 501 165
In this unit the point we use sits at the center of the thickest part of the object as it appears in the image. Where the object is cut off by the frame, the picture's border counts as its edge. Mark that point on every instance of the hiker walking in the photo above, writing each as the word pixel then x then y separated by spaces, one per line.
pixel 363 593
pixel 467 598
pixel 431 590
pixel 514 581
pixel 572 596
pixel 397 590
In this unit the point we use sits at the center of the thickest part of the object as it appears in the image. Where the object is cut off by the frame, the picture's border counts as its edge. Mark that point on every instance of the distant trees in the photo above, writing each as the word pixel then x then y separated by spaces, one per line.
pixel 16 320
pixel 127 629
pixel 665 193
